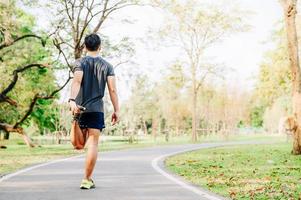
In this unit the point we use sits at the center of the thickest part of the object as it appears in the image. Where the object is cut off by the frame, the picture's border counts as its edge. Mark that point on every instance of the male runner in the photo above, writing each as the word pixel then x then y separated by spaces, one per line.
pixel 91 74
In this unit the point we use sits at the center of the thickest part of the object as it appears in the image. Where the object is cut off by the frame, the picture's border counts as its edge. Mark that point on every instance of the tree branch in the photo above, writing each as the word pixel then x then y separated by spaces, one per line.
pixel 21 38
pixel 58 46
pixel 15 78
pixel 121 63
pixel 36 98
pixel 9 128
pixel 7 99
pixel 81 6
pixel 102 18
pixel 86 22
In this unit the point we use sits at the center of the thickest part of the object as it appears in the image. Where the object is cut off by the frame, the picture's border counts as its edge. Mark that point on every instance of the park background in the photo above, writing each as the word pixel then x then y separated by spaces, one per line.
pixel 187 71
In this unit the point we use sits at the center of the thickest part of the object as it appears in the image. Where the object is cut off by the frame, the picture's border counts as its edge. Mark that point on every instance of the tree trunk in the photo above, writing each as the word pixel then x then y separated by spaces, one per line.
pixel 78 53
pixel 290 11
pixel 27 140
pixel 6 135
pixel 177 130
pixel 154 127
pixel 7 128
pixel 144 127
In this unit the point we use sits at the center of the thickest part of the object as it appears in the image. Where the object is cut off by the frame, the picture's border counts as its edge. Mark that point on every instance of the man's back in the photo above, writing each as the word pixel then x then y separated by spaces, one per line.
pixel 95 72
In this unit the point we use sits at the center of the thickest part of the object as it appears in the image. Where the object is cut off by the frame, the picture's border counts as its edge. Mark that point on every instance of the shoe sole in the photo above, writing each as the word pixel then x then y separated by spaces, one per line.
pixel 84 188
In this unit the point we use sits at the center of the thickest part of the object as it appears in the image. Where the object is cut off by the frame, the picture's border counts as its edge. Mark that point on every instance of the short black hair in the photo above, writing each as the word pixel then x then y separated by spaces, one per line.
pixel 92 42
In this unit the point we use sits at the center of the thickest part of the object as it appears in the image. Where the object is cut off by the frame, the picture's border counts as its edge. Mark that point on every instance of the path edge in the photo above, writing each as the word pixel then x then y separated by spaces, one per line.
pixel 158 164
pixel 34 166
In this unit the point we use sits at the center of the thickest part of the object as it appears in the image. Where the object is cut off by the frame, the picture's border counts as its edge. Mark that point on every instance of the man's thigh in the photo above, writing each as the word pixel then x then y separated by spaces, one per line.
pixel 93 135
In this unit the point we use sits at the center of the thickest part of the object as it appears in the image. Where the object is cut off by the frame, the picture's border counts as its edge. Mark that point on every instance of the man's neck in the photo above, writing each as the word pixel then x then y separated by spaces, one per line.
pixel 92 53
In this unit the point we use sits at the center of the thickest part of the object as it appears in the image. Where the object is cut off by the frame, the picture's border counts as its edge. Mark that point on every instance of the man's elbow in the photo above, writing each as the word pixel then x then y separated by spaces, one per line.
pixel 77 83
pixel 113 91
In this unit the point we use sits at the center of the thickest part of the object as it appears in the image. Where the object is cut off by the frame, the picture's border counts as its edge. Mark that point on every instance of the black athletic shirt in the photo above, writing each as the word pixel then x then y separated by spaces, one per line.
pixel 95 73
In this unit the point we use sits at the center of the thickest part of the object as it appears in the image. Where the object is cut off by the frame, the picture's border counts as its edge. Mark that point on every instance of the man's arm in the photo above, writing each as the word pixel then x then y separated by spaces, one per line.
pixel 75 87
pixel 114 98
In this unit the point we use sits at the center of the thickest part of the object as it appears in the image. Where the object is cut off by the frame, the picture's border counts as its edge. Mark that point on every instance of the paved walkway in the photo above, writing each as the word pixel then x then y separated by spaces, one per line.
pixel 134 174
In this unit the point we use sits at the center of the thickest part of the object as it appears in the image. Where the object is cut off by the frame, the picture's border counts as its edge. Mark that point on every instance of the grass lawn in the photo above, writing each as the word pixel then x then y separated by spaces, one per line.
pixel 243 172
pixel 17 155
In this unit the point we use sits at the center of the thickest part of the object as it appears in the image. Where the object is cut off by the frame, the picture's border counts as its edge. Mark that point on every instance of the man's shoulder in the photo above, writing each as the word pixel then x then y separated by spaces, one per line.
pixel 77 61
pixel 104 61
pixel 100 61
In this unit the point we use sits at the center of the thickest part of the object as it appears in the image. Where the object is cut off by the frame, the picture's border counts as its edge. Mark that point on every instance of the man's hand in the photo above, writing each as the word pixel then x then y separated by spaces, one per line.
pixel 74 108
pixel 115 118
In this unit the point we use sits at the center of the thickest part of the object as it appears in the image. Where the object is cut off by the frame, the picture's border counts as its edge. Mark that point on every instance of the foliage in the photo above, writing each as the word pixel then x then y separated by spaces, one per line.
pixel 256 116
pixel 165 105
pixel 142 104
pixel 224 106
pixel 173 104
pixel 46 115
pixel 194 27
pixel 16 23
pixel 275 113
pixel 274 77
pixel 274 81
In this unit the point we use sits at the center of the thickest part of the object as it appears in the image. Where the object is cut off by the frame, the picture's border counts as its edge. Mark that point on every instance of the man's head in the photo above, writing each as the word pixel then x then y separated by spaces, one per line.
pixel 92 42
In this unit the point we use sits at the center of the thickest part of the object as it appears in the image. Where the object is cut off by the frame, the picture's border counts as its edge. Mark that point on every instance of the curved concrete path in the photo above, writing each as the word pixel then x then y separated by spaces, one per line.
pixel 134 174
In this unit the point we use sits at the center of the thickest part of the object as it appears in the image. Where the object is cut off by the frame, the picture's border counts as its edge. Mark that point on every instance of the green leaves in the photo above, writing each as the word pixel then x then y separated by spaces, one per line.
pixel 271 99
pixel 46 115
pixel 18 25
pixel 43 71
pixel 25 30
pixel 257 117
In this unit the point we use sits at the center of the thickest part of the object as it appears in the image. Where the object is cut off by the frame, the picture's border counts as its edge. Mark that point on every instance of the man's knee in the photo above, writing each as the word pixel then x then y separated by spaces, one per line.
pixel 94 132
pixel 93 136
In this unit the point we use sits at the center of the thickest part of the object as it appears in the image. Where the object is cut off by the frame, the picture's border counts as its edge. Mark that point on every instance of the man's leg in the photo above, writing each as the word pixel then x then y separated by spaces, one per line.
pixel 92 145
pixel 77 136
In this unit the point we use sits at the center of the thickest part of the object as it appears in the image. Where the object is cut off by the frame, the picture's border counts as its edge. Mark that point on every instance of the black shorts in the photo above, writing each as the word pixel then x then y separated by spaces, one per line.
pixel 91 120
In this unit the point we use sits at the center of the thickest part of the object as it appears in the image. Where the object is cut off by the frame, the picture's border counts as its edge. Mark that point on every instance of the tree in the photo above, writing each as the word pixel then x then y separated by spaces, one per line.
pixel 75 19
pixel 273 87
pixel 194 27
pixel 173 104
pixel 290 11
pixel 25 58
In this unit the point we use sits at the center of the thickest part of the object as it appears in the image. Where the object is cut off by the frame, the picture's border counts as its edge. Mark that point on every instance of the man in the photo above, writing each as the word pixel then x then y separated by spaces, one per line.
pixel 91 75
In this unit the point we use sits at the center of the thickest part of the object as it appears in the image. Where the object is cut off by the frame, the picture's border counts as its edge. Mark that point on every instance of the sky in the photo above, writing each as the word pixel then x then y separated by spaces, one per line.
pixel 241 54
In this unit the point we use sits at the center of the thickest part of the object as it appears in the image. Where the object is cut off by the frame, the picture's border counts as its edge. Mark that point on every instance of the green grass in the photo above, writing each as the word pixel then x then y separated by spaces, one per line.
pixel 18 155
pixel 243 172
